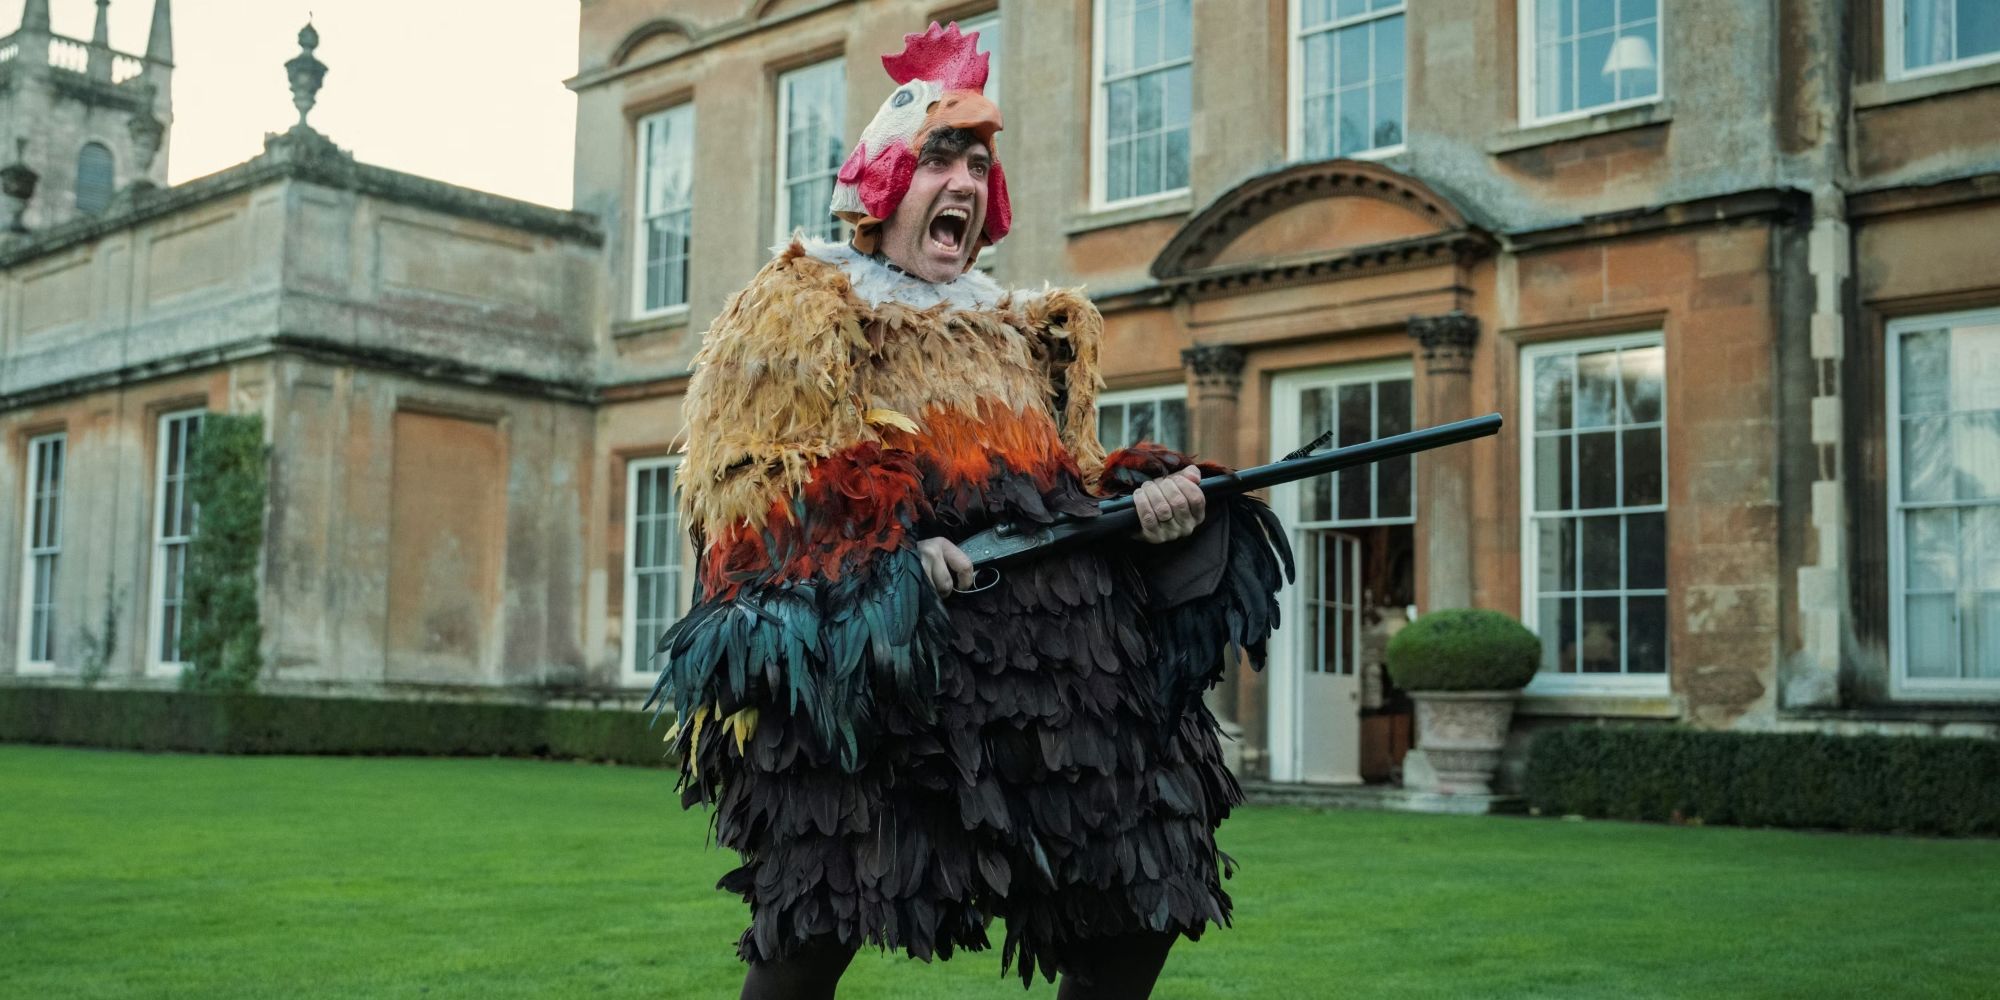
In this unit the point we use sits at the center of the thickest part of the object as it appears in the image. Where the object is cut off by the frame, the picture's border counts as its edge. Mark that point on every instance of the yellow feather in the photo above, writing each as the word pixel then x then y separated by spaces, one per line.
pixel 881 415
pixel 743 724
pixel 694 743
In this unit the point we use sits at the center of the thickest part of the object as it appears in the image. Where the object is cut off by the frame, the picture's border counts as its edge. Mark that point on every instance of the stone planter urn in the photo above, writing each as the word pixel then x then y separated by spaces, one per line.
pixel 1461 734
pixel 1464 668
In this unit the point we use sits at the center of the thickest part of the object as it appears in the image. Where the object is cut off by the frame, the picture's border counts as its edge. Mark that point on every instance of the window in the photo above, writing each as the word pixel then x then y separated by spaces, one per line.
pixel 1584 56
pixel 1144 99
pixel 174 524
pixel 1935 36
pixel 665 205
pixel 1347 77
pixel 1332 513
pixel 988 27
pixel 1158 415
pixel 1594 532
pixel 94 181
pixel 1358 408
pixel 1944 504
pixel 43 546
pixel 811 103
pixel 655 587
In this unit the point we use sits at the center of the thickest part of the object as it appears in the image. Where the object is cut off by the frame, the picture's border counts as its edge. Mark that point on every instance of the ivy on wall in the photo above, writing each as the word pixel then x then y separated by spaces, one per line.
pixel 228 481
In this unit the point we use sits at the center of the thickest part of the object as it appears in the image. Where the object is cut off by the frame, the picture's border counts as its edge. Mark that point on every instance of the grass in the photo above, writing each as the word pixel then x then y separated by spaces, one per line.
pixel 127 875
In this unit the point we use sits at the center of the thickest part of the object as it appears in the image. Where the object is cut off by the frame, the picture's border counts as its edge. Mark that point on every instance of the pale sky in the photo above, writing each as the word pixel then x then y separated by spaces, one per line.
pixel 465 91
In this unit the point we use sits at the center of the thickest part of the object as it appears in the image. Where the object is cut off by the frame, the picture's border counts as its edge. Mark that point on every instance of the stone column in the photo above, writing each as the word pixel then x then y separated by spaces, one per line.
pixel 1444 476
pixel 1213 417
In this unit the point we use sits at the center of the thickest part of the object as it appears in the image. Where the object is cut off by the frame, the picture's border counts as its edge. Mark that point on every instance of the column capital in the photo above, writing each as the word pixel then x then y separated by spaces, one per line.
pixel 1447 339
pixel 1217 368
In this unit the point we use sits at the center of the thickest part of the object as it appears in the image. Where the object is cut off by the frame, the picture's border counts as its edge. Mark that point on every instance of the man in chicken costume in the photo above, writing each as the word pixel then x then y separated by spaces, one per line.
pixel 897 755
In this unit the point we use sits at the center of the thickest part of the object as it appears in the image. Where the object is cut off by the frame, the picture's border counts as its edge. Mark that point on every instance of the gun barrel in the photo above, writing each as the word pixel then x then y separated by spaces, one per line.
pixel 1005 543
pixel 1292 470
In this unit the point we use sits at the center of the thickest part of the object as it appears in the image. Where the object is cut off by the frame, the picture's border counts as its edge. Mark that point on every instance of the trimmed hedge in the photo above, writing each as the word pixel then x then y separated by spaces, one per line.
pixel 1890 784
pixel 1463 649
pixel 263 724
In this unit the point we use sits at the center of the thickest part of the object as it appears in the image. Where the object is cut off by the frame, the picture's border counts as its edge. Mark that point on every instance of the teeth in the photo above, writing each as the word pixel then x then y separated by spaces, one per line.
pixel 958 213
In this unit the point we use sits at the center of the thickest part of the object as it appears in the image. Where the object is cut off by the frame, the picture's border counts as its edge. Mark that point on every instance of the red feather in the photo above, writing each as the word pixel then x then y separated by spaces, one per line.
pixel 941 55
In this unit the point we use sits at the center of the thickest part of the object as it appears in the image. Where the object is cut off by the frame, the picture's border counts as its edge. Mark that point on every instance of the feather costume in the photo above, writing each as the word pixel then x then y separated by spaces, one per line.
pixel 897 768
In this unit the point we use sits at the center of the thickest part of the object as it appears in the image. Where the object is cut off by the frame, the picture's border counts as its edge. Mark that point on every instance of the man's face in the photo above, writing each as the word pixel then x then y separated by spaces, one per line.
pixel 934 230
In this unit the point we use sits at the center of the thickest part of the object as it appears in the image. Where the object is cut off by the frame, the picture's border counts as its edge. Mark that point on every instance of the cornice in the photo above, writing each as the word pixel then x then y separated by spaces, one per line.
pixel 304 155
pixel 1782 204
pixel 1382 258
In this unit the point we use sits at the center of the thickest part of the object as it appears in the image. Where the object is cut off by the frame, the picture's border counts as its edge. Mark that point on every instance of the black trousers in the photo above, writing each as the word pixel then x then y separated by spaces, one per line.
pixel 1120 968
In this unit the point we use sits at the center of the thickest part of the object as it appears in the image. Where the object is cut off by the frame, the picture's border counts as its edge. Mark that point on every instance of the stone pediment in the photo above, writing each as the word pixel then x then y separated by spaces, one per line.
pixel 1315 221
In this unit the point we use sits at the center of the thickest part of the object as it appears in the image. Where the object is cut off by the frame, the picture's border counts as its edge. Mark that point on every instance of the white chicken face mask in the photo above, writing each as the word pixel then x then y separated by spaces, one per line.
pixel 942 77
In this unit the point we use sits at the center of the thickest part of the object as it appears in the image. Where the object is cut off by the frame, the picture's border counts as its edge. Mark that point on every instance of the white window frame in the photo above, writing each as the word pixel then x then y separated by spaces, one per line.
pixel 633 671
pixel 1296 89
pixel 40 448
pixel 1550 683
pixel 157 665
pixel 1525 67
pixel 641 233
pixel 1100 147
pixel 1148 394
pixel 782 198
pixel 1900 684
pixel 1893 68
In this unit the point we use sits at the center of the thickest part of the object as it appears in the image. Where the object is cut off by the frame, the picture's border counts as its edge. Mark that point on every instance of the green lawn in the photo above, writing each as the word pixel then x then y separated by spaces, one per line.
pixel 163 876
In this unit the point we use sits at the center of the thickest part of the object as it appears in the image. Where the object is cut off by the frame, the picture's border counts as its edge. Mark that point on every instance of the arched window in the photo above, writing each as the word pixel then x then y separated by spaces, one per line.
pixel 93 178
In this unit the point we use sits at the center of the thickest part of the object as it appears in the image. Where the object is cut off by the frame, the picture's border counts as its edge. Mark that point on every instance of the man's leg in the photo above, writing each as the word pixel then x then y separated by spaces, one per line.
pixel 1116 968
pixel 810 974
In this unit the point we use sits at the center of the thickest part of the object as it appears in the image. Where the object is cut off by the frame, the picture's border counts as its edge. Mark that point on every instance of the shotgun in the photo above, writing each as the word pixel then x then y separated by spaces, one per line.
pixel 1009 541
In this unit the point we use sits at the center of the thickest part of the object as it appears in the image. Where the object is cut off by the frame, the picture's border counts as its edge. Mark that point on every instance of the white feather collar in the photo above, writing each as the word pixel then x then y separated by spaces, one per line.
pixel 875 283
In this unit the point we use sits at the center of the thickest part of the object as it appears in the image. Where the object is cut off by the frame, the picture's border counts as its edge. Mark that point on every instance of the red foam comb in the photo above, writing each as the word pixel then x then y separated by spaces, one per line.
pixel 944 55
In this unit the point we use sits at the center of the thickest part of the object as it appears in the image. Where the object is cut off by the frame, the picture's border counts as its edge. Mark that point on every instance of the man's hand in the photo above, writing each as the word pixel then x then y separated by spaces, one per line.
pixel 947 567
pixel 1170 507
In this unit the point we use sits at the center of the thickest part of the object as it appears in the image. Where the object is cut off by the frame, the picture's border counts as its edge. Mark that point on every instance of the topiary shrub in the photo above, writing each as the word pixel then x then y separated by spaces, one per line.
pixel 1464 649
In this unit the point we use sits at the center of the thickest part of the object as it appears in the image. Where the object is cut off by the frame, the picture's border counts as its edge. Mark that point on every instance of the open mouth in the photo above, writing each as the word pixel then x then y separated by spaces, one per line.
pixel 947 229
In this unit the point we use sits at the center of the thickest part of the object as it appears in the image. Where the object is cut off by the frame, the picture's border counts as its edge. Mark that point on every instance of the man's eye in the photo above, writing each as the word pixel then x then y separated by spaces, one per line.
pixel 979 170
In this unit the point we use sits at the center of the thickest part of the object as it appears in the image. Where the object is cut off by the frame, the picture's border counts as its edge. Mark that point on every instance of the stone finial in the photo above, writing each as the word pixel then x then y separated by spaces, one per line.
pixel 1447 339
pixel 17 183
pixel 160 42
pixel 1217 368
pixel 35 16
pixel 306 73
pixel 101 35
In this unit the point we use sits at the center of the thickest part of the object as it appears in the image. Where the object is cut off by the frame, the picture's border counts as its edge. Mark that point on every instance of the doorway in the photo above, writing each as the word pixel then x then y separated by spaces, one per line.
pixel 1334 715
